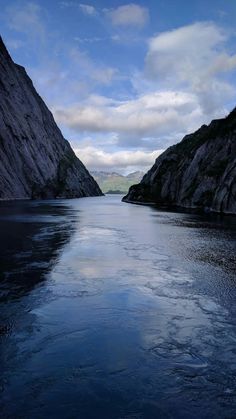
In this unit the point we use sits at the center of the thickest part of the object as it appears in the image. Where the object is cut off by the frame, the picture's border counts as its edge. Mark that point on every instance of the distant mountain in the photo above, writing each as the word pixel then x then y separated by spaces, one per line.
pixel 112 182
pixel 35 159
pixel 199 173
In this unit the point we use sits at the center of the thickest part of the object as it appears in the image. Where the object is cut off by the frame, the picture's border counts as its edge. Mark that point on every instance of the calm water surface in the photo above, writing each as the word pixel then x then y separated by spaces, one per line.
pixel 111 310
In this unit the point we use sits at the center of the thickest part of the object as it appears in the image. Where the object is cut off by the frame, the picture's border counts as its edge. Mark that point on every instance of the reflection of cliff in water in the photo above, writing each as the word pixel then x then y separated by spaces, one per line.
pixel 32 234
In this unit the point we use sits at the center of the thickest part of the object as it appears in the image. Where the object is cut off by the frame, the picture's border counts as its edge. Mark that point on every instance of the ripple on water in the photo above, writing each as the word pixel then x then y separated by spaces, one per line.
pixel 118 310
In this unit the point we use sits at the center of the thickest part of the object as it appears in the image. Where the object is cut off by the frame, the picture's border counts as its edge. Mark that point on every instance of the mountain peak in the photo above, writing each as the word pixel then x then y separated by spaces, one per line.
pixel 3 50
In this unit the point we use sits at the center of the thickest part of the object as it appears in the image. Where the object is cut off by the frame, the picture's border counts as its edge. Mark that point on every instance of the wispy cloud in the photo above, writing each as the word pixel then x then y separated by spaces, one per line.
pixel 87 9
pixel 27 19
pixel 65 4
pixel 15 43
pixel 95 71
pixel 91 40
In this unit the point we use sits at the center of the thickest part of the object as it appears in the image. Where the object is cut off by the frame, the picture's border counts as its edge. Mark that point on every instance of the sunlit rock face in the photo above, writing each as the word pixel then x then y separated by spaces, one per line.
pixel 35 159
pixel 199 173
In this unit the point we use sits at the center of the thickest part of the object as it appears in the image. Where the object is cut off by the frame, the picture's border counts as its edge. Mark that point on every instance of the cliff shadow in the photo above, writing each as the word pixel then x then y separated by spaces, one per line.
pixel 32 234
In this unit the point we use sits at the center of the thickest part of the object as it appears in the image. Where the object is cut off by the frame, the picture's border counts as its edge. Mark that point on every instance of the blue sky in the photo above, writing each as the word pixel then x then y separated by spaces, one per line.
pixel 126 80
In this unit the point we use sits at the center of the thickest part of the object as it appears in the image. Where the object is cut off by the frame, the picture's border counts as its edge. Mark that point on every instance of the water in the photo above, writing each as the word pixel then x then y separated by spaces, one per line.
pixel 111 310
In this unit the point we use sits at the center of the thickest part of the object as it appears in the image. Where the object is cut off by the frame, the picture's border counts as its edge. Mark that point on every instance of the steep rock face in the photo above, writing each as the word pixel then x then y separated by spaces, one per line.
pixel 198 173
pixel 35 160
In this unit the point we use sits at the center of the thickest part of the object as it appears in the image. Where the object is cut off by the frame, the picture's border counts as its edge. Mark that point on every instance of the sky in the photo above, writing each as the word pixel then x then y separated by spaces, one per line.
pixel 126 80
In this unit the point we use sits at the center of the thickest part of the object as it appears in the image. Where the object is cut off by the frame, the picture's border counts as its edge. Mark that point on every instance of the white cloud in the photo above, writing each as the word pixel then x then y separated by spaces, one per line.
pixel 193 57
pixel 128 15
pixel 97 159
pixel 157 114
pixel 87 9
pixel 186 53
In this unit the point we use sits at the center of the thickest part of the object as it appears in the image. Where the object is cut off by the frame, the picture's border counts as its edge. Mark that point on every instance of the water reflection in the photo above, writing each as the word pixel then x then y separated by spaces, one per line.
pixel 32 236
pixel 128 320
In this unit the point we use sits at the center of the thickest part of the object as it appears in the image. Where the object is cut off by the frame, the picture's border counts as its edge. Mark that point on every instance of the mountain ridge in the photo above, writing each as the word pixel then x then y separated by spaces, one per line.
pixel 113 182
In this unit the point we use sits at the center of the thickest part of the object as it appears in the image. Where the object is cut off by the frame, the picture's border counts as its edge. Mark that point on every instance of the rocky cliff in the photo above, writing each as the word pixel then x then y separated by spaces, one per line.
pixel 199 173
pixel 35 160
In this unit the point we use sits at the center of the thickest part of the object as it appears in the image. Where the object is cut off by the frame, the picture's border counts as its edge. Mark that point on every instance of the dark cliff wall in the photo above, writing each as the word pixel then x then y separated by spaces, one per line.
pixel 198 173
pixel 35 160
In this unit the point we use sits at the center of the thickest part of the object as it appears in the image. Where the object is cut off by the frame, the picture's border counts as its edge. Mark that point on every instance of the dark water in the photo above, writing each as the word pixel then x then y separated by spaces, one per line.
pixel 111 310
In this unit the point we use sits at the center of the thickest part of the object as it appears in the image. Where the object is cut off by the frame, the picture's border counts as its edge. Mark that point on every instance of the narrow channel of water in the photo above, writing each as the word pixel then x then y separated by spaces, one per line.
pixel 111 310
